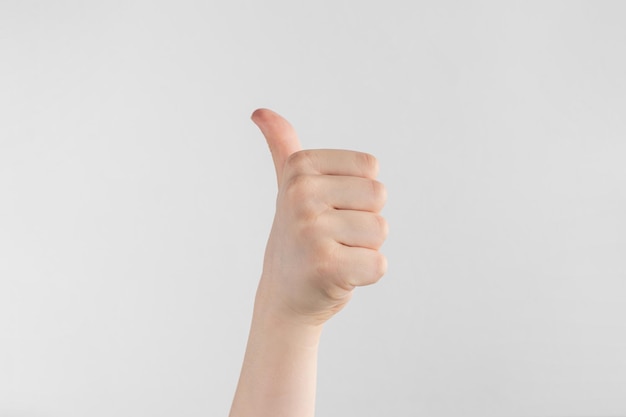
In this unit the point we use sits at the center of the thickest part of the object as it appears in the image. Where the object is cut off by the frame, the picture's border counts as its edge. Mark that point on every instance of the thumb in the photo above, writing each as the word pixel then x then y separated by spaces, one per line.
pixel 281 137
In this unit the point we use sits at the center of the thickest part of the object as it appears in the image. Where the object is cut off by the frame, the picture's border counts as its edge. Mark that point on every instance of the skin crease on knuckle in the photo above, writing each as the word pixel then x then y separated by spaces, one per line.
pixel 368 164
pixel 311 228
pixel 382 266
pixel 303 196
pixel 325 260
pixel 299 162
pixel 378 269
pixel 379 194
pixel 383 229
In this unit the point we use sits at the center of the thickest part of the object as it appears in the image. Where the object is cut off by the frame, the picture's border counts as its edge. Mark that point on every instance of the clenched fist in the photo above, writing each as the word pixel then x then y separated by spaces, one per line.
pixel 327 230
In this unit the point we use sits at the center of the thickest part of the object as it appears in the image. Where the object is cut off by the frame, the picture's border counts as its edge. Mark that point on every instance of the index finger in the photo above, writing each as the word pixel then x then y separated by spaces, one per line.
pixel 333 162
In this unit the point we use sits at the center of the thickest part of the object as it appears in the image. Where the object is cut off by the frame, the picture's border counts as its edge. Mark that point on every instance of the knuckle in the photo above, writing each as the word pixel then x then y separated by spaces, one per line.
pixel 301 193
pixel 297 161
pixel 326 262
pixel 368 163
pixel 379 192
pixel 308 231
pixel 383 226
pixel 311 228
pixel 298 187
pixel 380 266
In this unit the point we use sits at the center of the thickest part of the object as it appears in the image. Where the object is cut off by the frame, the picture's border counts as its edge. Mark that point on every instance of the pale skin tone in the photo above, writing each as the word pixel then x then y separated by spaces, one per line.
pixel 324 243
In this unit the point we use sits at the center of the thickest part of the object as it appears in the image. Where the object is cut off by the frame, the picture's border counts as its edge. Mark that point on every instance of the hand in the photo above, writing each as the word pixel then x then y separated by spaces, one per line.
pixel 327 229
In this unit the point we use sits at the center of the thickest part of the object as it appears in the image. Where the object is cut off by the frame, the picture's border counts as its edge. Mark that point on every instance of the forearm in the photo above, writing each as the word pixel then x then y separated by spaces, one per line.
pixel 278 376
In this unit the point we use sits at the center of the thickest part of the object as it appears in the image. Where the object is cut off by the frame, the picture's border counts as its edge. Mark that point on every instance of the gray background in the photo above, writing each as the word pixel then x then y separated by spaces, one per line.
pixel 136 198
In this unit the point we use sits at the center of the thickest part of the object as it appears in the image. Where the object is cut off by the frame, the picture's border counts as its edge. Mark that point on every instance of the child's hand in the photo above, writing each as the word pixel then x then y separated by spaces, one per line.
pixel 327 229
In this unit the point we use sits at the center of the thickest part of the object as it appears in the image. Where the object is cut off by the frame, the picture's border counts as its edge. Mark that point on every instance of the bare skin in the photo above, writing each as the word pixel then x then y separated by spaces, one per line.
pixel 324 242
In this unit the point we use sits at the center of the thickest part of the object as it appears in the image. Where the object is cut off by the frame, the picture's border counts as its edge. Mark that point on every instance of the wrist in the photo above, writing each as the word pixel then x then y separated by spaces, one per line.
pixel 284 326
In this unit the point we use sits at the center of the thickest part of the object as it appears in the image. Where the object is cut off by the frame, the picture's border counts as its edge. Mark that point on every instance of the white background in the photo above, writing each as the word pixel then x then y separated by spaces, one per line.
pixel 136 198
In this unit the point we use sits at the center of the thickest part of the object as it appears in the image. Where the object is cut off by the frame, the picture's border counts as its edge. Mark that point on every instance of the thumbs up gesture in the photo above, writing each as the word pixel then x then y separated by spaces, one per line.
pixel 327 229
